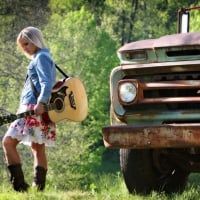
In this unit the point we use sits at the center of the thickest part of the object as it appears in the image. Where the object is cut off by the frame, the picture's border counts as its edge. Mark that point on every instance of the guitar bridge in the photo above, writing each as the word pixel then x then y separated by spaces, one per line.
pixel 72 100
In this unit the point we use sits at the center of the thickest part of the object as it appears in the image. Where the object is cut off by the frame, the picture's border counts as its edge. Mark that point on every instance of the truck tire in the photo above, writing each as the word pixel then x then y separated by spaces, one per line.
pixel 141 176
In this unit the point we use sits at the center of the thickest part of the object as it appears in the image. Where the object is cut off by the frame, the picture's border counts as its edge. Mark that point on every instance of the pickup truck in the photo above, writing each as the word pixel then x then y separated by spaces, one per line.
pixel 155 112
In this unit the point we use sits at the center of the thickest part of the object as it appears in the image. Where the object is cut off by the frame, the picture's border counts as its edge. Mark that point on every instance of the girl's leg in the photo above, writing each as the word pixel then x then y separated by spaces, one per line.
pixel 40 165
pixel 14 164
pixel 10 150
pixel 39 155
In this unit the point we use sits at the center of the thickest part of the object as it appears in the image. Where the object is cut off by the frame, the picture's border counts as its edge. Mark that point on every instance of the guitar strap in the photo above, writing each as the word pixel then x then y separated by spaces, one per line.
pixel 35 92
pixel 63 73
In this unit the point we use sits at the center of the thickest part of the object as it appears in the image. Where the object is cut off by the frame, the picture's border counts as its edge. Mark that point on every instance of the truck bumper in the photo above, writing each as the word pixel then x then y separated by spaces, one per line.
pixel 162 136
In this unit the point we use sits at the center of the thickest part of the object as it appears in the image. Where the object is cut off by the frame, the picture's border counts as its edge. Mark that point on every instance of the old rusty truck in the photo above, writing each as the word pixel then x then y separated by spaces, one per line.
pixel 155 111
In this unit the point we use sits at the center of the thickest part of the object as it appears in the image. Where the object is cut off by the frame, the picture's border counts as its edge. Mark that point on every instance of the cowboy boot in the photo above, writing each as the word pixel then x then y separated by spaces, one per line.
pixel 17 178
pixel 40 177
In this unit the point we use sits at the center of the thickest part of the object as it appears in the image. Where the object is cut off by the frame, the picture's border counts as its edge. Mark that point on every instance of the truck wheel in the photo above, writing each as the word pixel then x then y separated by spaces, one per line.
pixel 141 176
pixel 137 170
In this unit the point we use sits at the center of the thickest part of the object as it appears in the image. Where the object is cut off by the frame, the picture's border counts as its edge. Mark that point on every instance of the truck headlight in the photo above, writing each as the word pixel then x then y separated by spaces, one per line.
pixel 127 92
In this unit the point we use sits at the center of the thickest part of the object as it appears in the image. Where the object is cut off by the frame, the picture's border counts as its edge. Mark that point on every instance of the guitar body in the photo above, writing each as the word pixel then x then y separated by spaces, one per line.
pixel 69 101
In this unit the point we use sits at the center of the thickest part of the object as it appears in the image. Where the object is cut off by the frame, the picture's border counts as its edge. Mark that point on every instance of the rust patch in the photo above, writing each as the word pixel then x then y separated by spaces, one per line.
pixel 166 136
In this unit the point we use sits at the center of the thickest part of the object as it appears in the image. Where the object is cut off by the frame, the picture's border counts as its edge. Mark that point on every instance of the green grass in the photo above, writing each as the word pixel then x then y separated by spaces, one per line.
pixel 105 183
pixel 106 187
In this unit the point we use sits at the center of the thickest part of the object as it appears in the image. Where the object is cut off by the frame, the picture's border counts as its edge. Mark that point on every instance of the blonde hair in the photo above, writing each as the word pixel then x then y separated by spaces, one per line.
pixel 33 35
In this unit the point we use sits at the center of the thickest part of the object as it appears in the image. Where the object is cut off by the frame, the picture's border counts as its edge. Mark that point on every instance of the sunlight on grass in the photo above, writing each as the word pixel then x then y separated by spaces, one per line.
pixel 104 187
pixel 110 194
pixel 47 195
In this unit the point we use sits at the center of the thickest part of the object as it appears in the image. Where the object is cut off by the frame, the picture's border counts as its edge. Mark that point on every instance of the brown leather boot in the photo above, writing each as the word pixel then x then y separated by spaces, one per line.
pixel 40 177
pixel 17 178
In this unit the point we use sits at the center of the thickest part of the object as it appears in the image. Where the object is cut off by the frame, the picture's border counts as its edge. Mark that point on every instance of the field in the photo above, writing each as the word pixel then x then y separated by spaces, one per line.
pixel 106 187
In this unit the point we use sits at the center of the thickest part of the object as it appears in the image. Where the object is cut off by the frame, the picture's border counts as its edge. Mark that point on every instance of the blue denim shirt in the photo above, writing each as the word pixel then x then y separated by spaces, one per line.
pixel 42 72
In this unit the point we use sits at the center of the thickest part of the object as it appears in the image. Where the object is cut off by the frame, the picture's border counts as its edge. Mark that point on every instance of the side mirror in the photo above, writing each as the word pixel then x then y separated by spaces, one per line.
pixel 183 20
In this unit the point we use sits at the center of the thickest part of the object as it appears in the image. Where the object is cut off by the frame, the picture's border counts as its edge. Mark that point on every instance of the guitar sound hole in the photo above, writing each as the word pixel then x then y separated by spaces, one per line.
pixel 59 104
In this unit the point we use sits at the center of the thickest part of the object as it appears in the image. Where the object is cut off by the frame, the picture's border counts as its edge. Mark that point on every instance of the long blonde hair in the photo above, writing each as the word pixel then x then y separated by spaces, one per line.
pixel 33 35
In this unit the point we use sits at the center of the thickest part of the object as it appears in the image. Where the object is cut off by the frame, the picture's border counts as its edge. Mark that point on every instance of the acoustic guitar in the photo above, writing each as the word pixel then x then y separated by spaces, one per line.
pixel 68 102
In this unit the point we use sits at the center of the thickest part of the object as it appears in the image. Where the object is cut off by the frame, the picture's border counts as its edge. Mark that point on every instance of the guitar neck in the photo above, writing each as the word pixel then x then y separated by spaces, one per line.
pixel 4 119
pixel 24 114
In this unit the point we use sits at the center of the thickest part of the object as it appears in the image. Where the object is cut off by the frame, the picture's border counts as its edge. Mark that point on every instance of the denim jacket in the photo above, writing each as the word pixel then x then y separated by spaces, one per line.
pixel 42 72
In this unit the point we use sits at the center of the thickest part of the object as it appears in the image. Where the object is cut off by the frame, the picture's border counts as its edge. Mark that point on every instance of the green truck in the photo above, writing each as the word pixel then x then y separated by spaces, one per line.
pixel 155 110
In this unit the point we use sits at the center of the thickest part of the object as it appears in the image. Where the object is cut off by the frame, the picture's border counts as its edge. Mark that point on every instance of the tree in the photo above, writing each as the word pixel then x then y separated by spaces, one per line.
pixel 81 49
pixel 194 18
pixel 15 15
pixel 127 21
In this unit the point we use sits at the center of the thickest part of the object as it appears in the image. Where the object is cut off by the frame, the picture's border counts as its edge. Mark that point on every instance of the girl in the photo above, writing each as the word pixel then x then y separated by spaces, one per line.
pixel 33 130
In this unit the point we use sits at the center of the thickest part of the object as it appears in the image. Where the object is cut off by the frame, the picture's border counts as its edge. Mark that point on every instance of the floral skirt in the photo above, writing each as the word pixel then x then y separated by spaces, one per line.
pixel 32 129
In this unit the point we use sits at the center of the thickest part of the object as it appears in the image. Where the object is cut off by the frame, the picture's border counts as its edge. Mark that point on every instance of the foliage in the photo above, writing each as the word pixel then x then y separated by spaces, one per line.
pixel 85 55
pixel 194 18
pixel 15 15
pixel 135 20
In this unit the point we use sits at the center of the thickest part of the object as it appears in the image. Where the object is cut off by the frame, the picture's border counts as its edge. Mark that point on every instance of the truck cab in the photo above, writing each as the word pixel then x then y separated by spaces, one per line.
pixel 155 110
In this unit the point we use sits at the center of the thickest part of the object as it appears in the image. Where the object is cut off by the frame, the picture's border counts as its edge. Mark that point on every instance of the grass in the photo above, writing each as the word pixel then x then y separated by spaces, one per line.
pixel 106 187
pixel 105 184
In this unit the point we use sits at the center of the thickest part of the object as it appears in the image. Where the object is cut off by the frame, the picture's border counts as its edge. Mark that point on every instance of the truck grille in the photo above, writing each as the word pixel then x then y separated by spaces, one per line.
pixel 167 92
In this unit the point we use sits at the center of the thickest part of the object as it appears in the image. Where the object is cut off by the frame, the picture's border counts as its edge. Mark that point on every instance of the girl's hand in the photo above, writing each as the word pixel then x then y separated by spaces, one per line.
pixel 39 108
